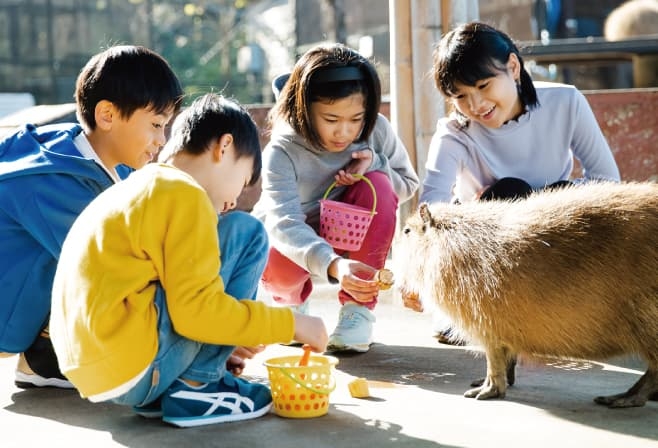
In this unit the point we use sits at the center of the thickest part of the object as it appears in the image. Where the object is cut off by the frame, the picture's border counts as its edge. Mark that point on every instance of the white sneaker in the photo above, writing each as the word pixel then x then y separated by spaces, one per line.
pixel 354 329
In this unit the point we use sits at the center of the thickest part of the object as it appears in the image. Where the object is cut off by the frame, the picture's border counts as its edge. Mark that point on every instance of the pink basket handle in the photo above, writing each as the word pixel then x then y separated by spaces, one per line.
pixel 372 188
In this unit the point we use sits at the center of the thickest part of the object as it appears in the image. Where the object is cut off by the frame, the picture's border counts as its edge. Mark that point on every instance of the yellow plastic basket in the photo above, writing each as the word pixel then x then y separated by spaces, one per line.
pixel 301 391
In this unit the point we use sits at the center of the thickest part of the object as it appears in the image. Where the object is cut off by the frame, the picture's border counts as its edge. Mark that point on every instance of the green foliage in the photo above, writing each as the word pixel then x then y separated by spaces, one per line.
pixel 199 38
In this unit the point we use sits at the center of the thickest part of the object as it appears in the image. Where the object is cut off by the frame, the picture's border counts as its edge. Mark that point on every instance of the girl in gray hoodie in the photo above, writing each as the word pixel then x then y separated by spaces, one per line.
pixel 326 127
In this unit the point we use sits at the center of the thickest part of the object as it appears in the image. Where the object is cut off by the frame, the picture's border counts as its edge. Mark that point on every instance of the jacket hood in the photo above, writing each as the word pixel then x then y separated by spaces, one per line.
pixel 45 150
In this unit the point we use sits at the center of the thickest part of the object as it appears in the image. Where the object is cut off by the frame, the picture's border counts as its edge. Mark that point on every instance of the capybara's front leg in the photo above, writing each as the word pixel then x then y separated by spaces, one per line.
pixel 495 383
pixel 511 373
pixel 645 389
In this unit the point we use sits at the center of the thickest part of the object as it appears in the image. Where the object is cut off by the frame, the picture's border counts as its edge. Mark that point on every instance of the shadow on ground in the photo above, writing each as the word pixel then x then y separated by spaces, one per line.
pixel 336 429
pixel 563 388
pixel 416 402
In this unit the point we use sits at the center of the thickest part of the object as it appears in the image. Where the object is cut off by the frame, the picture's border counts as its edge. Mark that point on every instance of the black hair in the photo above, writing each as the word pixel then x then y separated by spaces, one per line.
pixel 476 51
pixel 208 118
pixel 130 77
pixel 327 73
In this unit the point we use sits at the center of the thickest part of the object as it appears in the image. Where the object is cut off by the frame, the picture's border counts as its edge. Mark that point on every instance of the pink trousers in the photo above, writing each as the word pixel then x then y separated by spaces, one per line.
pixel 290 284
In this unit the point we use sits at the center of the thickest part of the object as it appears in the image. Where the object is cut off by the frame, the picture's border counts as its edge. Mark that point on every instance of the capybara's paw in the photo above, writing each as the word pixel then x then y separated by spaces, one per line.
pixel 412 301
pixel 624 400
pixel 486 391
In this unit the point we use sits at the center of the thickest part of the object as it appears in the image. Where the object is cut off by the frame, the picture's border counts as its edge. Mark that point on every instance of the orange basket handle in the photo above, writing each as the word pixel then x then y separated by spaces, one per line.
pixel 312 389
pixel 372 188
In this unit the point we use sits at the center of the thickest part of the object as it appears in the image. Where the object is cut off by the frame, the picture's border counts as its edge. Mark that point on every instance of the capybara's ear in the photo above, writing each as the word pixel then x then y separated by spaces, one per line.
pixel 425 214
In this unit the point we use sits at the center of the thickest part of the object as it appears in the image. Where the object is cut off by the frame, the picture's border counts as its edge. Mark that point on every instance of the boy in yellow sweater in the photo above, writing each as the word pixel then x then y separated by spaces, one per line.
pixel 140 315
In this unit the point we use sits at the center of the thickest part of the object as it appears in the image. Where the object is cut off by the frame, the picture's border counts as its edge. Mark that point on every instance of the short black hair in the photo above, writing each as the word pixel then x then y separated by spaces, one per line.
pixel 130 77
pixel 208 118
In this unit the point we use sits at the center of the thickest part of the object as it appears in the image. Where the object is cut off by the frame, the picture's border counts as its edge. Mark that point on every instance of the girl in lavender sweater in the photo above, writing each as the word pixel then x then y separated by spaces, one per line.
pixel 507 135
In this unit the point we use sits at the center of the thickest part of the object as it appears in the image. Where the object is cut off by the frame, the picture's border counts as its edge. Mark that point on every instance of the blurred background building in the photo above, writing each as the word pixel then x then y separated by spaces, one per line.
pixel 238 46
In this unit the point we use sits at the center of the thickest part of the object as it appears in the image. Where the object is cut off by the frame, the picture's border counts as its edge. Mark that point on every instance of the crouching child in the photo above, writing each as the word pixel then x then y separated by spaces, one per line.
pixel 157 279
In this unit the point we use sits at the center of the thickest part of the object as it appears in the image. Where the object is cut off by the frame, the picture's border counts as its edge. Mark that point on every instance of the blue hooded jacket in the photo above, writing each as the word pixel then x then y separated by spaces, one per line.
pixel 45 183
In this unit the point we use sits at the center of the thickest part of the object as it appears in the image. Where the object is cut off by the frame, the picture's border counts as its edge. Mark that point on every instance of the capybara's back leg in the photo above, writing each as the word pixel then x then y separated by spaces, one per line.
pixel 511 371
pixel 495 383
pixel 645 388
pixel 511 374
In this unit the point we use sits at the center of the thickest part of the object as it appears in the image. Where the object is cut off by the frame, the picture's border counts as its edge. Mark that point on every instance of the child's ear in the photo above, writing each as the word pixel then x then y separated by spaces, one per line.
pixel 225 140
pixel 104 113
pixel 514 66
pixel 220 145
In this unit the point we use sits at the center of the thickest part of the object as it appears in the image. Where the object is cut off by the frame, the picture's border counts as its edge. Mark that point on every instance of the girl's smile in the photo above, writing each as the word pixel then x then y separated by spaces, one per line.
pixel 492 101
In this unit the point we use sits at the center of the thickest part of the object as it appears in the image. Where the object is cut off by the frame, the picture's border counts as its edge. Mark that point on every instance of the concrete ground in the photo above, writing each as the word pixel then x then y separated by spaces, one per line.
pixel 416 400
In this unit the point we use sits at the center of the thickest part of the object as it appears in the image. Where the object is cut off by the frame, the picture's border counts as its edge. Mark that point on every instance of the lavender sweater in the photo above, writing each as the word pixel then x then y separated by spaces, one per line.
pixel 538 148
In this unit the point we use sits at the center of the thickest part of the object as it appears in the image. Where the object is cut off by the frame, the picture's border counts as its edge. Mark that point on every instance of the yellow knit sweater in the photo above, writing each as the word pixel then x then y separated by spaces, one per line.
pixel 158 224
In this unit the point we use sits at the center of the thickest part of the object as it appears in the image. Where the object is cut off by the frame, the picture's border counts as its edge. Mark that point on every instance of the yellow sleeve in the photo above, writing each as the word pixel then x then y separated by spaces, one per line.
pixel 186 255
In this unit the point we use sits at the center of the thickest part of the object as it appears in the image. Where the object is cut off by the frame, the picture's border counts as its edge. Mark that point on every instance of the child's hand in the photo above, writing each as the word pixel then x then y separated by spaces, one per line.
pixel 311 330
pixel 235 363
pixel 361 161
pixel 248 352
pixel 355 278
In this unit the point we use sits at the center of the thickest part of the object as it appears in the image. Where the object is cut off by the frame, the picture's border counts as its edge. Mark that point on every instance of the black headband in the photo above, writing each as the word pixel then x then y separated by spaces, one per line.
pixel 347 73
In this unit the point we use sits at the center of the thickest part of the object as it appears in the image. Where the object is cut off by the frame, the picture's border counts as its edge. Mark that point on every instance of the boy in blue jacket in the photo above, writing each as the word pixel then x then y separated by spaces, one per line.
pixel 125 96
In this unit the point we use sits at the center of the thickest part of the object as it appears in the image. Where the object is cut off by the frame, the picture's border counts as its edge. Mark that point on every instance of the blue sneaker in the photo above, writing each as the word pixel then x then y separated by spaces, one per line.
pixel 229 400
pixel 354 329
pixel 150 410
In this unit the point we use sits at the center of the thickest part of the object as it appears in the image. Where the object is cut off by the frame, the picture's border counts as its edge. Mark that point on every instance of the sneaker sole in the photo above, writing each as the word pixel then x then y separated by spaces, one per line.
pixel 360 348
pixel 148 414
pixel 189 422
pixel 25 381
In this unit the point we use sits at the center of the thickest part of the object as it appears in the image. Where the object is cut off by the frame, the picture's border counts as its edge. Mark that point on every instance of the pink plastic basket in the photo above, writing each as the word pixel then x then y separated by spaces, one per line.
pixel 344 226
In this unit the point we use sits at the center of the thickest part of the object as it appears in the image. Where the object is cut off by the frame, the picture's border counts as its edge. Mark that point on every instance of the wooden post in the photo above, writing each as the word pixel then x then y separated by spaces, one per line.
pixel 402 87
pixel 428 103
pixel 401 95
pixel 416 27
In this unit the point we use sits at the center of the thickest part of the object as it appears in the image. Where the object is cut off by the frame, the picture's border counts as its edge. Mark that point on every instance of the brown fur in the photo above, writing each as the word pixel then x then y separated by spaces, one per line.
pixel 568 273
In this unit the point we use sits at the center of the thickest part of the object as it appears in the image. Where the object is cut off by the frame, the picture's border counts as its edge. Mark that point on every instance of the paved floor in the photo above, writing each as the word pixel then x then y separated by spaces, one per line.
pixel 416 400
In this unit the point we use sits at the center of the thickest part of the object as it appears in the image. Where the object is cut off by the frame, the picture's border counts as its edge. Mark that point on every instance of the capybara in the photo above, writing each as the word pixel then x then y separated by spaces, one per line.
pixel 569 272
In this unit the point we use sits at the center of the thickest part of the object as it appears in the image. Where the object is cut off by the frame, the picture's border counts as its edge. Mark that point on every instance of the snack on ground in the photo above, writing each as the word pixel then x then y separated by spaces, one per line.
pixel 359 388
pixel 384 279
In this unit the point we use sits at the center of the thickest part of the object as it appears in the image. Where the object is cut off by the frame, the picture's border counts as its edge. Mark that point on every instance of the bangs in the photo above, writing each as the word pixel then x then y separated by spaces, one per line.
pixel 468 71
